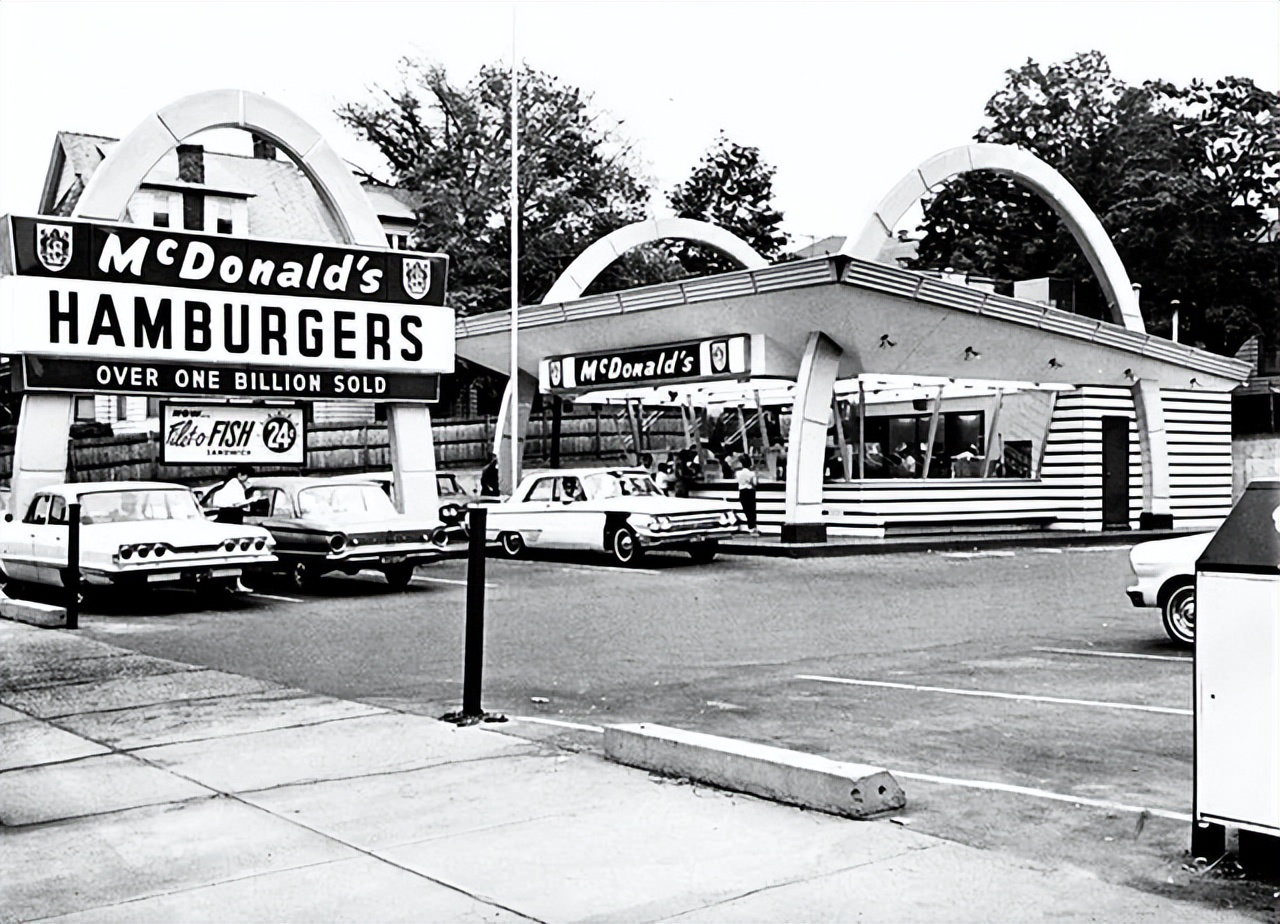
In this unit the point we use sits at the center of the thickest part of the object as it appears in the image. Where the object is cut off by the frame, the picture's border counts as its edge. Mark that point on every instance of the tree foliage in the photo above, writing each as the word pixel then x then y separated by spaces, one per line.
pixel 450 145
pixel 1184 179
pixel 733 188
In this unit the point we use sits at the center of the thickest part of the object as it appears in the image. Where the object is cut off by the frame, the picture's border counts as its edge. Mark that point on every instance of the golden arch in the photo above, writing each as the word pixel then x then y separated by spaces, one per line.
pixel 591 262
pixel 1029 170
pixel 107 195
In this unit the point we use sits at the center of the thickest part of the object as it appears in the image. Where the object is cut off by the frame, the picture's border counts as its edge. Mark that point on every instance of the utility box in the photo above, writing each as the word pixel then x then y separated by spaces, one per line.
pixel 1237 671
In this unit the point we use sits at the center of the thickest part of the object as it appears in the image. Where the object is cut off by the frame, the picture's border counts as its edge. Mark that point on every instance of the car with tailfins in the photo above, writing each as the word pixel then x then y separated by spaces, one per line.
pixel 616 510
pixel 343 524
pixel 132 534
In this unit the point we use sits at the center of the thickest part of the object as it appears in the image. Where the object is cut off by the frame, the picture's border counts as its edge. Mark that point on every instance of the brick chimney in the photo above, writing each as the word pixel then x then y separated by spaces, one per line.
pixel 191 163
pixel 263 148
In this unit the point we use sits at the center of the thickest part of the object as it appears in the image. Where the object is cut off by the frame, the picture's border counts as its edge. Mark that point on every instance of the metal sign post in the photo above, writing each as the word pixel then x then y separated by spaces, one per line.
pixel 71 577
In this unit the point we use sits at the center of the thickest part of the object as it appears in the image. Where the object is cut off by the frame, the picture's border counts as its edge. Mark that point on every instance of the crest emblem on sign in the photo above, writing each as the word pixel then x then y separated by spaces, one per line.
pixel 417 276
pixel 553 373
pixel 719 356
pixel 53 246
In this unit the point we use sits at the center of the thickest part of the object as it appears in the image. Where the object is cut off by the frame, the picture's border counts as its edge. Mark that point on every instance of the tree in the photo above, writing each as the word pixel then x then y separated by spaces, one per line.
pixel 733 188
pixel 1184 180
pixel 451 145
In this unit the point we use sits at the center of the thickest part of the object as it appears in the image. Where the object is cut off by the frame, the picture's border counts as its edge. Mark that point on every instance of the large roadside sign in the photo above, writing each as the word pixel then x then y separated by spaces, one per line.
pixel 202 434
pixel 108 293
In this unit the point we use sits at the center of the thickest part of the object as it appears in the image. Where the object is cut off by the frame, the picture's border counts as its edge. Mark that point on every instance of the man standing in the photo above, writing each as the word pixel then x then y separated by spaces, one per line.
pixel 489 485
pixel 231 497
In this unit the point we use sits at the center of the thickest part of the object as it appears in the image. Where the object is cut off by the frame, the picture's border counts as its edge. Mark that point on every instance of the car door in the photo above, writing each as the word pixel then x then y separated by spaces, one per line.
pixel 19 562
pixel 49 542
pixel 574 524
pixel 528 516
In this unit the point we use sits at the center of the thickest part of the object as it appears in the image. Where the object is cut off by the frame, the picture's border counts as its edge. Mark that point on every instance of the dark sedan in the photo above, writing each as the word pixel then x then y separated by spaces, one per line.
pixel 343 524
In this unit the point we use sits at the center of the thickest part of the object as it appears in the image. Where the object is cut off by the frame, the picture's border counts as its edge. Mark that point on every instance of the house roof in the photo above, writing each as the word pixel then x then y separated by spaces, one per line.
pixel 282 202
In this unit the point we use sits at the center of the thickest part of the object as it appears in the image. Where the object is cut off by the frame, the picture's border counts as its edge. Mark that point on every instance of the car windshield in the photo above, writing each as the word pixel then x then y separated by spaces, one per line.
pixel 448 486
pixel 363 501
pixel 140 504
pixel 619 484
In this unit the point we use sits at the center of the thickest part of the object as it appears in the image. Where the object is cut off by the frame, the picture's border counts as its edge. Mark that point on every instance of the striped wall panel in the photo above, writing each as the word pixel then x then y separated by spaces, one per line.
pixel 1068 494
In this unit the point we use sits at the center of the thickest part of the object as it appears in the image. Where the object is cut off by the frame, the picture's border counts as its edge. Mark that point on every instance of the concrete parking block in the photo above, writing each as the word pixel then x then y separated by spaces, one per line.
pixel 32 742
pixel 334 750
pixel 357 890
pixel 33 614
pixel 980 886
pixel 88 787
pixel 132 691
pixel 93 862
pixel 793 777
pixel 175 722
pixel 659 850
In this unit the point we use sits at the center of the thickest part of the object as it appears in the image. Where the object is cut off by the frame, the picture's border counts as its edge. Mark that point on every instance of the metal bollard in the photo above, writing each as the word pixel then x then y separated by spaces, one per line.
pixel 473 643
pixel 71 576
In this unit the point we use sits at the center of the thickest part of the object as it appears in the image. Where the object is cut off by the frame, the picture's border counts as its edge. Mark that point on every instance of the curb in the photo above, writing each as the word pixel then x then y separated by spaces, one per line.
pixel 44 615
pixel 838 549
pixel 790 777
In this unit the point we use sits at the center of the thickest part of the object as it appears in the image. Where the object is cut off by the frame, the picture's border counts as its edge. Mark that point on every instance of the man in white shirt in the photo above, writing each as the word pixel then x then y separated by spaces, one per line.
pixel 233 493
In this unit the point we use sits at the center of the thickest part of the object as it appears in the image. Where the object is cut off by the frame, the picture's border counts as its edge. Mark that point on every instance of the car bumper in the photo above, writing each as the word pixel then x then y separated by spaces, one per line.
pixel 656 539
pixel 180 573
pixel 372 557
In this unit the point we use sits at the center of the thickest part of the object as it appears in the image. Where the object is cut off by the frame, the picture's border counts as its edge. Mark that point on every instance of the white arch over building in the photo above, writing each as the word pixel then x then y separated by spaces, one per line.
pixel 1030 171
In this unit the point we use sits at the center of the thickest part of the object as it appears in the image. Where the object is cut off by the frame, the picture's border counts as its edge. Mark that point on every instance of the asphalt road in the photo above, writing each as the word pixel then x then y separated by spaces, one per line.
pixel 1022 702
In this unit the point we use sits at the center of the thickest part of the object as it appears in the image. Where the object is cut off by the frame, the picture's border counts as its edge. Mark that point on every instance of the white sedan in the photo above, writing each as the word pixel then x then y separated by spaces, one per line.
pixel 132 534
pixel 619 511
pixel 1166 578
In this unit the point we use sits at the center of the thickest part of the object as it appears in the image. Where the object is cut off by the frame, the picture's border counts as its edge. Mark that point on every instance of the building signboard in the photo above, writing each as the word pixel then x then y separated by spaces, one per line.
pixel 122 292
pixel 220 434
pixel 710 359
pixel 87 376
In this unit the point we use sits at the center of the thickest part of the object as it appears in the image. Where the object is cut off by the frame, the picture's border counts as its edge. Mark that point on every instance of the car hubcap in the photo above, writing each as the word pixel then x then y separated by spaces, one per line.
pixel 1185 614
pixel 626 545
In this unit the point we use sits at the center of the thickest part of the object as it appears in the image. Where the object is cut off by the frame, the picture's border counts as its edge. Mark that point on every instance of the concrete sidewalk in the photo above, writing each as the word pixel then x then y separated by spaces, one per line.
pixel 139 789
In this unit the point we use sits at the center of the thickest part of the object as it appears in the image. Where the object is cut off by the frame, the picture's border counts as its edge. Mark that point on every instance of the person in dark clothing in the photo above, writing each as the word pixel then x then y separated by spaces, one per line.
pixel 489 477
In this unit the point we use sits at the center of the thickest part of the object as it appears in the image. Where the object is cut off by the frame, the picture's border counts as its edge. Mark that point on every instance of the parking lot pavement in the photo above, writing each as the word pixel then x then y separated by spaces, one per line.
pixel 155 791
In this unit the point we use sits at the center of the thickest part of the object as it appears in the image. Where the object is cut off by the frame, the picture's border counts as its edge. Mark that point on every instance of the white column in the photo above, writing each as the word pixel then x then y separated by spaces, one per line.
pixel 413 459
pixel 806 453
pixel 1154 445
pixel 513 417
pixel 40 453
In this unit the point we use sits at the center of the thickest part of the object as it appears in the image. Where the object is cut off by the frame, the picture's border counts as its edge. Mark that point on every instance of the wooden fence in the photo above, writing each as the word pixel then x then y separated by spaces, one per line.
pixel 586 438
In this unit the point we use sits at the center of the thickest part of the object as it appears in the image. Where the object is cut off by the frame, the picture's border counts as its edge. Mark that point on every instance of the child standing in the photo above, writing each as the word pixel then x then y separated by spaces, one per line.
pixel 746 478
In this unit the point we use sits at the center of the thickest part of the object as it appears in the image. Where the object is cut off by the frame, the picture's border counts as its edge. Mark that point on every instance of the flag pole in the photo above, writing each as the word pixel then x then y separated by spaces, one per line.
pixel 513 416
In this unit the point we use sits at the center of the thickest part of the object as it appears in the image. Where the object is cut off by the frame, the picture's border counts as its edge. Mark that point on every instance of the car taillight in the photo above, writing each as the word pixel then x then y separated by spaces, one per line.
pixel 245 544
pixel 159 550
pixel 229 545
pixel 126 552
pixel 438 536
pixel 261 543
pixel 337 542
pixel 143 551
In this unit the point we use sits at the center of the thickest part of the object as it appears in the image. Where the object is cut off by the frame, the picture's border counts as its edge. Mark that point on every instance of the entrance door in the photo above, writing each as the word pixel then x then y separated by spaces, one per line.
pixel 1115 473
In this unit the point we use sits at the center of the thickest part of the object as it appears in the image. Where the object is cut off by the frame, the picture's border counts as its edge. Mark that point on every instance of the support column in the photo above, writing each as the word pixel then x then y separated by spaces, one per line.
pixel 1154 445
pixel 413 460
pixel 806 453
pixel 513 417
pixel 40 452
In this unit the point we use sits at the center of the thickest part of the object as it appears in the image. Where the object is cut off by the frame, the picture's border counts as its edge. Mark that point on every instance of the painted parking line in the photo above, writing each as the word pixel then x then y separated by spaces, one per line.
pixel 1042 794
pixel 275 597
pixel 988 554
pixel 432 580
pixel 1114 654
pixel 949 781
pixel 990 694
pixel 622 570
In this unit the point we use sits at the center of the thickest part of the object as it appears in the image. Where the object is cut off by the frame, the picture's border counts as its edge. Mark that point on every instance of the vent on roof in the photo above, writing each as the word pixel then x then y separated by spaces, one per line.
pixel 191 163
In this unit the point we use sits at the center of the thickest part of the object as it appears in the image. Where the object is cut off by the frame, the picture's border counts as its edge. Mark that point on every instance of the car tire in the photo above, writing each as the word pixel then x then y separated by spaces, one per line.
pixel 399 576
pixel 303 577
pixel 512 544
pixel 704 552
pixel 1178 613
pixel 625 547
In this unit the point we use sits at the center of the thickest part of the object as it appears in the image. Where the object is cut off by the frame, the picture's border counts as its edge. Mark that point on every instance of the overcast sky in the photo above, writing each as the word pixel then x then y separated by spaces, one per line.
pixel 843 98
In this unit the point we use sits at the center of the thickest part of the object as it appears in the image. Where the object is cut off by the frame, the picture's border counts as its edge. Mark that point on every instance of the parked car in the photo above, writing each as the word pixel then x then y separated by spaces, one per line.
pixel 1166 578
pixel 618 510
pixel 454 496
pixel 342 524
pixel 132 533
